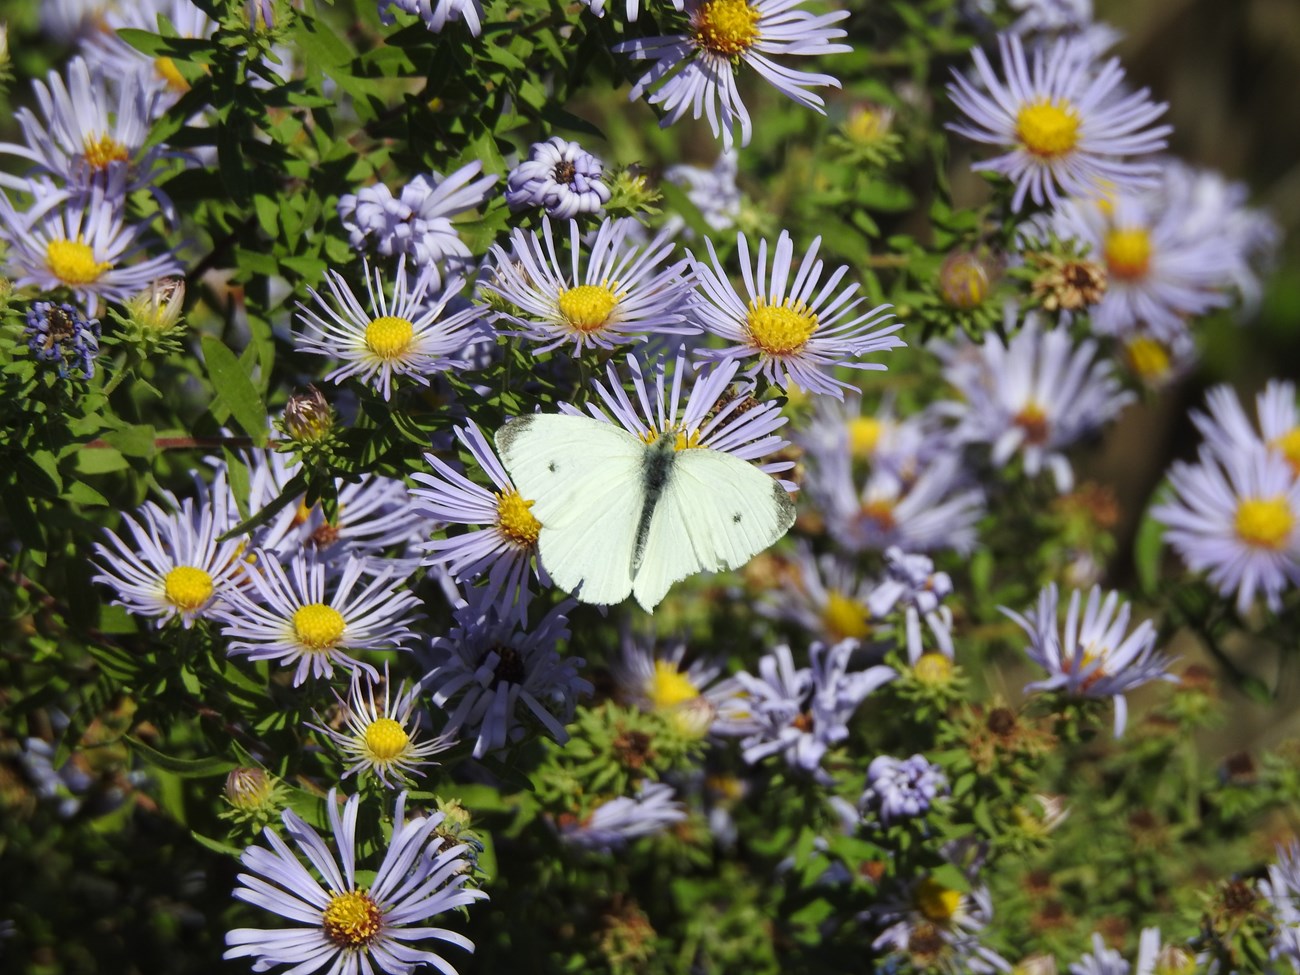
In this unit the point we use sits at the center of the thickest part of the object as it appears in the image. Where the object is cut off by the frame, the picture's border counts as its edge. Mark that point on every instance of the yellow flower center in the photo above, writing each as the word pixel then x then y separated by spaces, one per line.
pixel 1049 128
pixel 781 329
pixel 1264 522
pixel 73 262
pixel 933 670
pixel 318 626
pixel 670 687
pixel 1033 420
pixel 166 70
pixel 386 739
pixel 1128 253
pixel 844 617
pixel 1148 358
pixel 683 440
pixel 937 902
pixel 1288 445
pixel 352 920
pixel 881 513
pixel 727 27
pixel 187 588
pixel 99 152
pixel 864 434
pixel 587 307
pixel 515 520
pixel 389 337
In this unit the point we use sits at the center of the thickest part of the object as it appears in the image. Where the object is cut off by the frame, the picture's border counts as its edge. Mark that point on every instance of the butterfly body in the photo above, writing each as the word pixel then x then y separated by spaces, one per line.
pixel 622 516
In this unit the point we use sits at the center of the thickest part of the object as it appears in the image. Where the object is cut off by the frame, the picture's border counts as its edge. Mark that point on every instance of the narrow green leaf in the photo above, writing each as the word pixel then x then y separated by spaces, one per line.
pixel 235 389
pixel 187 768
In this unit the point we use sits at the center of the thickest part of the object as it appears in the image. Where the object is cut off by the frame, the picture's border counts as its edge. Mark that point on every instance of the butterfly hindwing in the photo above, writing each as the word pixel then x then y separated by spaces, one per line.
pixel 584 477
pixel 715 512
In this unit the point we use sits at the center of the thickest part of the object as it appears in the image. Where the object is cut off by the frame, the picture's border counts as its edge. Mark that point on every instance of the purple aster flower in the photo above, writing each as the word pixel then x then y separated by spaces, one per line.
pixel 613 823
pixel 500 675
pixel 1065 122
pixel 505 547
pixel 612 291
pixel 801 712
pixel 1237 517
pixel 559 176
pixel 1282 889
pixel 437 13
pixel 61 334
pixel 1035 396
pixel 795 326
pixel 901 788
pixel 311 617
pixel 1095 656
pixel 419 221
pixel 827 596
pixel 912 584
pixel 351 926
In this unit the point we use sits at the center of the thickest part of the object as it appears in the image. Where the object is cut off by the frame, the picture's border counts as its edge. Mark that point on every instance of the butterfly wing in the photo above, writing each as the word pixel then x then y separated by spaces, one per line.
pixel 584 477
pixel 715 512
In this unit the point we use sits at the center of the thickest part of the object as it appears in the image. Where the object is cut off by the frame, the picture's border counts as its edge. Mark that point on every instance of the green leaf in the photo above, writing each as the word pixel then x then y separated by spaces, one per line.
pixel 216 846
pixel 79 492
pixel 235 389
pixel 1146 549
pixel 134 441
pixel 100 460
pixel 186 768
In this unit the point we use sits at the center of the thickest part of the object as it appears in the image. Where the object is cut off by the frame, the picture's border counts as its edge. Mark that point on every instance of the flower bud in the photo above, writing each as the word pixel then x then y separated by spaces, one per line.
pixel 933 670
pixel 249 790
pixel 1175 960
pixel 308 418
pixel 1036 965
pixel 868 124
pixel 965 280
pixel 157 309
pixel 1067 283
pixel 4 46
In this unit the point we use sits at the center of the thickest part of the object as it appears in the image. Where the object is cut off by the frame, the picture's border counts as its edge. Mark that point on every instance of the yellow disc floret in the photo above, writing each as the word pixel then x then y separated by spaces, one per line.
pixel 1264 522
pixel 101 151
pixel 318 626
pixel 187 588
pixel 845 617
pixel 352 920
pixel 1033 420
pixel 389 337
pixel 1049 128
pixel 386 739
pixel 782 329
pixel 1148 358
pixel 1288 445
pixel 864 434
pixel 727 27
pixel 73 262
pixel 588 307
pixel 937 902
pixel 670 687
pixel 1128 253
pixel 515 520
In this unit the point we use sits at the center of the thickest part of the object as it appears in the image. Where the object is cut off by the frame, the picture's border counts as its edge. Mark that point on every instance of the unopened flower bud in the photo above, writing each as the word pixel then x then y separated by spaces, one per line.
pixel 1036 965
pixel 249 789
pixel 308 418
pixel 933 670
pixel 965 280
pixel 693 718
pixel 868 124
pixel 157 309
pixel 4 46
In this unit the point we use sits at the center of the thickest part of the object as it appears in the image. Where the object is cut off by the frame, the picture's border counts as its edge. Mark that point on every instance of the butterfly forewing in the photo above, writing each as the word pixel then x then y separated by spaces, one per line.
pixel 715 512
pixel 585 479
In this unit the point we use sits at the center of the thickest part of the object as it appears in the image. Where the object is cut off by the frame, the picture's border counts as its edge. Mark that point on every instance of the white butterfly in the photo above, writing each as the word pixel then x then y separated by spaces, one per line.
pixel 622 516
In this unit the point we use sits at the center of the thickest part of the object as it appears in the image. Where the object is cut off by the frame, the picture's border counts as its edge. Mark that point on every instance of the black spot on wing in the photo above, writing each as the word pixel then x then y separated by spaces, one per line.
pixel 513 428
pixel 735 518
pixel 784 505
pixel 551 467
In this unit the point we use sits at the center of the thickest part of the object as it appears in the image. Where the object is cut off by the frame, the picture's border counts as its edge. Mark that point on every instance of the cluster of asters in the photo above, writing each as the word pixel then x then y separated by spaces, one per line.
pixel 318 597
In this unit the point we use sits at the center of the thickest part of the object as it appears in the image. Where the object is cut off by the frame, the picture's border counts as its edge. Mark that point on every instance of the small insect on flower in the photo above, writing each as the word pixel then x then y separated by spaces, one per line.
pixel 340 923
pixel 61 334
pixel 561 177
